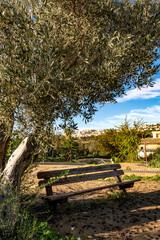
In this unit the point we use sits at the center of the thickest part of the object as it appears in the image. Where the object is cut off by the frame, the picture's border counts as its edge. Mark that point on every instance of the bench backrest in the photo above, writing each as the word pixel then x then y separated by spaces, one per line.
pixel 80 174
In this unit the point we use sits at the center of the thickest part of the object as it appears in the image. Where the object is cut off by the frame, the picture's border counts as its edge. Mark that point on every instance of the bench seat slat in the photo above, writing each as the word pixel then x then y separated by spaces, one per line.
pixel 55 173
pixel 71 194
pixel 82 178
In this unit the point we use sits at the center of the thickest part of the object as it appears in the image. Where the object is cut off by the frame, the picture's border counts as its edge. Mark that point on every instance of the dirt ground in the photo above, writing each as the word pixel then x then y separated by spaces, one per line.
pixel 97 216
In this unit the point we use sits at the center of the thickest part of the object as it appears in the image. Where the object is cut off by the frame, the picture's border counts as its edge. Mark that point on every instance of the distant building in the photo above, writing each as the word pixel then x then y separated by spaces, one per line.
pixel 156 134
pixel 150 144
pixel 88 132
pixel 152 127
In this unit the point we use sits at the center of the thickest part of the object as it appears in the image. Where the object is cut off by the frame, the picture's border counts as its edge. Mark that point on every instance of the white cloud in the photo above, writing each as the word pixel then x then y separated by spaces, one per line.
pixel 150 115
pixel 144 93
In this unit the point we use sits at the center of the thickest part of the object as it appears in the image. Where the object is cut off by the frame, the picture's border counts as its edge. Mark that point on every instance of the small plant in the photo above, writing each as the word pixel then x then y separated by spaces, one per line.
pixel 153 178
pixel 19 225
pixel 120 196
pixel 109 179
pixel 131 177
pixel 156 178
pixel 15 220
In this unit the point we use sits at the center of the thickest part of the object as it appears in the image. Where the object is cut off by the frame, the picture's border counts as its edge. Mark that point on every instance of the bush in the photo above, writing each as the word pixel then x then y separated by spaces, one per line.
pixel 155 159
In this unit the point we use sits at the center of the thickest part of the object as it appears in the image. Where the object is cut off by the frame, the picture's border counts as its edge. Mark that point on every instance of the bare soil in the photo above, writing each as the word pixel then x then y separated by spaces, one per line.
pixel 97 216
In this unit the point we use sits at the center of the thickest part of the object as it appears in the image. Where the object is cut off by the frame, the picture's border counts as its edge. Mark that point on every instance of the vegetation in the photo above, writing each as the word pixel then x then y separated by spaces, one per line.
pixel 59 59
pixel 70 148
pixel 122 142
pixel 154 160
pixel 21 224
pixel 133 176
pixel 120 196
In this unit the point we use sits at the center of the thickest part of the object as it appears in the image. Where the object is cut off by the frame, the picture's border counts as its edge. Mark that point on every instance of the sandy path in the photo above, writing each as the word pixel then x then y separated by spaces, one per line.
pixel 96 217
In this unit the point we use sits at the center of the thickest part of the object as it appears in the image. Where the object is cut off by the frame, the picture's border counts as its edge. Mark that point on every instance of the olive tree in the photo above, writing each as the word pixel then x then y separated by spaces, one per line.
pixel 59 58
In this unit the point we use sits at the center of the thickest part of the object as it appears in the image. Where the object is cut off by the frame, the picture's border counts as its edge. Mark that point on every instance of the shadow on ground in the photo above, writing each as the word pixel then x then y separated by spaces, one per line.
pixel 134 217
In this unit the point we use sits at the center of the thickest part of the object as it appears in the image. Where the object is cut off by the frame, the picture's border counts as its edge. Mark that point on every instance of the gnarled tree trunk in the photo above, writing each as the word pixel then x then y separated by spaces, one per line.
pixel 18 163
pixel 11 181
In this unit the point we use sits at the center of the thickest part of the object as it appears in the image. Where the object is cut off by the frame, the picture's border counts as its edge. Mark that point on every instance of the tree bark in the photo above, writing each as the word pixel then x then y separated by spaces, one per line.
pixel 3 149
pixel 18 163
pixel 5 136
pixel 11 181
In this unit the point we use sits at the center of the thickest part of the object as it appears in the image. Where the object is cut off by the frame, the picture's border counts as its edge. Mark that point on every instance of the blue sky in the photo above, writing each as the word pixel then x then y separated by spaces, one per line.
pixel 137 104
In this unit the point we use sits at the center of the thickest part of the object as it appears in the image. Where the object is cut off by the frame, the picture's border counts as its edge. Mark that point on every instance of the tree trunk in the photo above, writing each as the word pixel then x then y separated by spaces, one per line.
pixel 18 163
pixel 3 150
pixel 5 136
pixel 11 181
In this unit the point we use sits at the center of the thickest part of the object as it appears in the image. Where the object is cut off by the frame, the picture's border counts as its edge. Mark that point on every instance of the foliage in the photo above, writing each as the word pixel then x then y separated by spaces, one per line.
pixel 109 142
pixel 19 222
pixel 66 146
pixel 130 138
pixel 13 144
pixel 72 149
pixel 154 178
pixel 133 176
pixel 147 134
pixel 120 196
pixel 29 228
pixel 121 143
pixel 59 59
pixel 94 55
pixel 69 145
pixel 155 159
pixel 90 144
pixel 69 149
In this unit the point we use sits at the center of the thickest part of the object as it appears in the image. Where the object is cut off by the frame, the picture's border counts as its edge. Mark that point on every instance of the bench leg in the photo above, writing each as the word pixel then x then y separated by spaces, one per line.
pixel 118 180
pixel 123 189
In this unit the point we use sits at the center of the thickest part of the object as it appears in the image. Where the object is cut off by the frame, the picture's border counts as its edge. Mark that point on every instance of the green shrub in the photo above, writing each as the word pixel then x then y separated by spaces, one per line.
pixel 155 159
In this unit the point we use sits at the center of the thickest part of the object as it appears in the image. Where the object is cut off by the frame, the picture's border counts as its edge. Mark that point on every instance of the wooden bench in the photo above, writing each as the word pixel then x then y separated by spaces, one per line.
pixel 82 174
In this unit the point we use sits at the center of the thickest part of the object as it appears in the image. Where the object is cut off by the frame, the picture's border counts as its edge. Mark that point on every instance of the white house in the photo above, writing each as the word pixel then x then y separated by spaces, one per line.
pixel 156 134
pixel 149 145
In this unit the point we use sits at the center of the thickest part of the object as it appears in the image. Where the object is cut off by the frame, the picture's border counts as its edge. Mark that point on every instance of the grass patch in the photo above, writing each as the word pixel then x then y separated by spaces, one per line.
pixel 153 178
pixel 120 196
pixel 132 177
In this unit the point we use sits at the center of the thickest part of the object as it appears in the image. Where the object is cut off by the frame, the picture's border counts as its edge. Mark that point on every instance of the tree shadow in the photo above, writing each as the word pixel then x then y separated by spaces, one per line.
pixel 101 218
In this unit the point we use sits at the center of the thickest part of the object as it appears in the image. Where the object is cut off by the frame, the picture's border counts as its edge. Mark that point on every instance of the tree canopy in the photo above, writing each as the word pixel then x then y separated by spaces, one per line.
pixel 60 58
